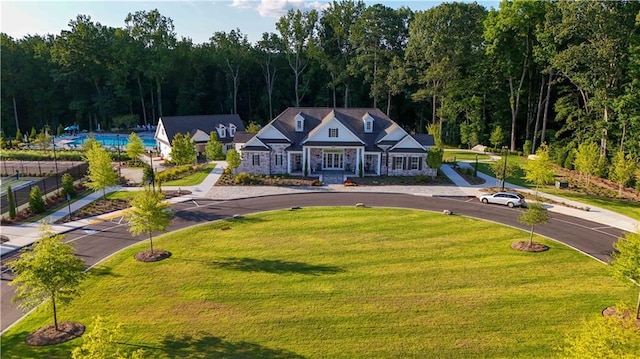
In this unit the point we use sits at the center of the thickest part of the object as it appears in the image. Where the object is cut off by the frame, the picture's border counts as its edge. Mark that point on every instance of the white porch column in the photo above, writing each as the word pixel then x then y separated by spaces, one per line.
pixel 288 162
pixel 357 169
pixel 304 160
pixel 379 167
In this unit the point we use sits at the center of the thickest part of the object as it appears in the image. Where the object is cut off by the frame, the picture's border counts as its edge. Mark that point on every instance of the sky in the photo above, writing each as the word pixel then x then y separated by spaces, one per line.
pixel 196 20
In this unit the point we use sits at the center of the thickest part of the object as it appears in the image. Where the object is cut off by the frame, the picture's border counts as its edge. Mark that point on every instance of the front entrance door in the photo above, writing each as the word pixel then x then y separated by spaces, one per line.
pixel 333 160
pixel 297 162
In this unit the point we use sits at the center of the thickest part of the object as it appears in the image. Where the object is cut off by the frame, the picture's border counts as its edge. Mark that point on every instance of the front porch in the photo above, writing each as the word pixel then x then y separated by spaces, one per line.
pixel 347 160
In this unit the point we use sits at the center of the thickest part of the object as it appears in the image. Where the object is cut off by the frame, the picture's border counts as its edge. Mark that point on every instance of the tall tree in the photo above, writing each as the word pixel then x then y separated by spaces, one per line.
pixel 591 41
pixel 443 41
pixel 135 147
pixel 233 159
pixel 148 214
pixel 623 170
pixel 379 34
pixel 101 174
pixel 47 270
pixel 297 30
pixel 183 152
pixel 539 170
pixel 157 33
pixel 234 49
pixel 586 161
pixel 510 34
pixel 336 51
pixel 268 49
pixel 213 149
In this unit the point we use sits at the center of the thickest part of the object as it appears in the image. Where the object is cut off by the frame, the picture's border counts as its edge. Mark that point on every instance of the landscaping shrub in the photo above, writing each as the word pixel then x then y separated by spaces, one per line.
pixel 39 155
pixel 527 147
pixel 244 178
pixel 570 159
pixel 11 202
pixel 147 174
pixel 67 185
pixel 36 203
pixel 176 172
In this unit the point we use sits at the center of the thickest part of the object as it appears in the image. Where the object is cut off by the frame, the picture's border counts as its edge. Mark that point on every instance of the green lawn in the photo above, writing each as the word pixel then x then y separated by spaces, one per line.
pixel 339 283
pixel 121 195
pixel 459 155
pixel 517 179
pixel 193 179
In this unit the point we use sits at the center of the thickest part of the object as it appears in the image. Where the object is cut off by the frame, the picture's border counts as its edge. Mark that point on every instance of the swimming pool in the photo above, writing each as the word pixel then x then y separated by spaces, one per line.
pixel 112 140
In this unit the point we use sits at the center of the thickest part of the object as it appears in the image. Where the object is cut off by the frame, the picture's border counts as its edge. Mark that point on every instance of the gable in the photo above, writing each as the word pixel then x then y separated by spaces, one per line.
pixel 206 123
pixel 200 136
pixel 393 133
pixel 254 143
pixel 332 130
pixel 408 143
pixel 269 132
pixel 161 133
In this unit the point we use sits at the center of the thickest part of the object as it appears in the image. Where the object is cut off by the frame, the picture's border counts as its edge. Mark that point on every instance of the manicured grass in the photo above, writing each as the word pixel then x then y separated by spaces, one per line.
pixel 193 179
pixel 339 283
pixel 459 155
pixel 121 195
pixel 517 179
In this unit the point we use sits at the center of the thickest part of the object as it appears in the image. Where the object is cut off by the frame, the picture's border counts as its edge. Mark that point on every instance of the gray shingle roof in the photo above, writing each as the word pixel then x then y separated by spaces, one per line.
pixel 350 117
pixel 206 123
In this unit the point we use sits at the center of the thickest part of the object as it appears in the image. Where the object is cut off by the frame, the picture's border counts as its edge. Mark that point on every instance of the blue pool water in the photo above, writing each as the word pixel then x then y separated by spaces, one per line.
pixel 114 141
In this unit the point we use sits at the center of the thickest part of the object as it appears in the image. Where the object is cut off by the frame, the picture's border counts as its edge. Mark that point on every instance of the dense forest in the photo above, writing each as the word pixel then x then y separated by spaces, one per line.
pixel 561 72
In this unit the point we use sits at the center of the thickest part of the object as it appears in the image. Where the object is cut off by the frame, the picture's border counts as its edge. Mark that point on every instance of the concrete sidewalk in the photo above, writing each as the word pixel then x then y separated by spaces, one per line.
pixel 551 202
pixel 22 235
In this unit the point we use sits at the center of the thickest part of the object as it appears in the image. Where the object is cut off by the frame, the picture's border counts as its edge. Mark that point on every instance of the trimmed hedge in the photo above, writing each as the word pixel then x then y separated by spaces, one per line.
pixel 176 172
pixel 61 155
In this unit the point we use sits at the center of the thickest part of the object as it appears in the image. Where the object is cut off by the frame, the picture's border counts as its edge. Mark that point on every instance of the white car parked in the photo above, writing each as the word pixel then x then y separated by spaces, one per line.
pixel 504 198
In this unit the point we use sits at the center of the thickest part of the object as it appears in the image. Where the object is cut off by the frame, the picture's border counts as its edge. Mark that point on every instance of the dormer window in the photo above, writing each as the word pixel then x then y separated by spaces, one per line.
pixel 232 130
pixel 368 123
pixel 299 123
pixel 222 131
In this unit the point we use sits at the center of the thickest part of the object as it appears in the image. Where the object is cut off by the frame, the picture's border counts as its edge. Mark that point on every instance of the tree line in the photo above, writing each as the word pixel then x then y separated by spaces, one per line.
pixel 560 72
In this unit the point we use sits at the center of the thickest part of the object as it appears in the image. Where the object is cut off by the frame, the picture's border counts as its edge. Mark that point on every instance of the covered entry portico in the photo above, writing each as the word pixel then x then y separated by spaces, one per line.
pixel 334 158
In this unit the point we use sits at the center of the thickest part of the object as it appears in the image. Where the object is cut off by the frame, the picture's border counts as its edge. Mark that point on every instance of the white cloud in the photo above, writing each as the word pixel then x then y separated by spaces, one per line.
pixel 278 8
pixel 243 4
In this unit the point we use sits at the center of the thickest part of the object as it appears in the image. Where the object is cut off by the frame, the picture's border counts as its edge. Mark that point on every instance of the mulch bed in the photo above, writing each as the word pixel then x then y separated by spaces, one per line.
pixel 472 180
pixel 49 335
pixel 612 311
pixel 51 202
pixel 157 255
pixel 525 246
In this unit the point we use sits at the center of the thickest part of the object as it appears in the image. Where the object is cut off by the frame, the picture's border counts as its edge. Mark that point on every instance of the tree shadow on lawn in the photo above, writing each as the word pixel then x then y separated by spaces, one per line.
pixel 275 266
pixel 215 347
pixel 101 271
pixel 20 349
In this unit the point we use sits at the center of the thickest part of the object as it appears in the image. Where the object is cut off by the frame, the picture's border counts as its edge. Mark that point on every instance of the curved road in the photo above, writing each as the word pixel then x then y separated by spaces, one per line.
pixel 97 241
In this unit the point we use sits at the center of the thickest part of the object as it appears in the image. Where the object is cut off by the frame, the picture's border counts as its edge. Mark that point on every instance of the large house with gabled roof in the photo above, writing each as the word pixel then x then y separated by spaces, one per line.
pixel 314 141
pixel 198 128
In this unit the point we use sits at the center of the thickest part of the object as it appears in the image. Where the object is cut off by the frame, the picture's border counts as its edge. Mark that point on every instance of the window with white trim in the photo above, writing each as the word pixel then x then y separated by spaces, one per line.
pixel 397 163
pixel 222 131
pixel 415 163
pixel 232 129
pixel 278 160
pixel 255 160
pixel 368 126
pixel 333 132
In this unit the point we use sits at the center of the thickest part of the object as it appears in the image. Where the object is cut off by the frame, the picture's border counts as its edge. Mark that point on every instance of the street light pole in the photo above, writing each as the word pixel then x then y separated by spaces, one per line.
pixel 504 169
pixel 55 161
pixel 119 158
pixel 153 174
